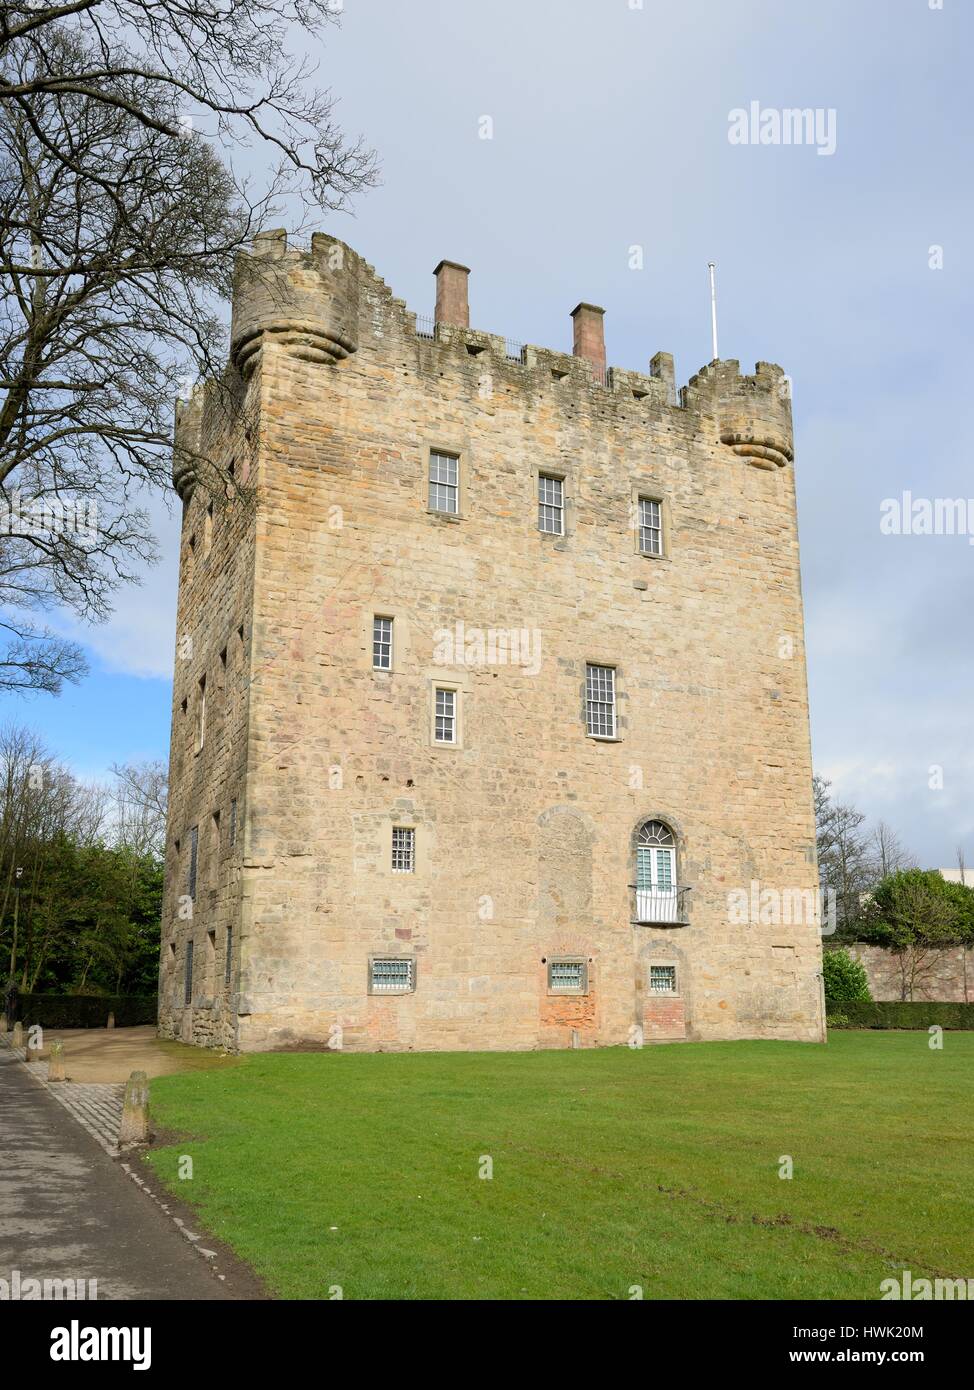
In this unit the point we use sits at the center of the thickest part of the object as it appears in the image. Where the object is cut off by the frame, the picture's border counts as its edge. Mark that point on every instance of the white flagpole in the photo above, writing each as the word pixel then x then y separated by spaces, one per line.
pixel 713 308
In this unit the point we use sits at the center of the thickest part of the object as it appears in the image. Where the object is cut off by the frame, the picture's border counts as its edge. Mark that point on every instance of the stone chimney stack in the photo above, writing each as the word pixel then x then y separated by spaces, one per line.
pixel 451 294
pixel 590 335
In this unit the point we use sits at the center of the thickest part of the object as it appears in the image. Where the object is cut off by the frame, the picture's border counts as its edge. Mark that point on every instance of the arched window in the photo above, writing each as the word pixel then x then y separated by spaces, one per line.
pixel 656 887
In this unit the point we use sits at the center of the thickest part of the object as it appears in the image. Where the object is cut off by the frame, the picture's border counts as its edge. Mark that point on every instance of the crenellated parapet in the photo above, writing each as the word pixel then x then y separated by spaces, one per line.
pixel 753 412
pixel 306 303
pixel 325 304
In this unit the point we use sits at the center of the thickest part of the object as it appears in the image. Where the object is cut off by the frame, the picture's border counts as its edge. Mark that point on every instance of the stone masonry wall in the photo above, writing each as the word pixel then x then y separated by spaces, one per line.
pixel 525 831
pixel 946 975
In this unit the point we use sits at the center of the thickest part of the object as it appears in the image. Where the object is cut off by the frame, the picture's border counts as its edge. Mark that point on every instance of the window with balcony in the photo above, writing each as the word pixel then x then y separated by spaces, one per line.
pixel 658 896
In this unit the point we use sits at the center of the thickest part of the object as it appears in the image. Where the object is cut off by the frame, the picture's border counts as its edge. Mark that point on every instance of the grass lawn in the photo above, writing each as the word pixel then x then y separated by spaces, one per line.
pixel 611 1168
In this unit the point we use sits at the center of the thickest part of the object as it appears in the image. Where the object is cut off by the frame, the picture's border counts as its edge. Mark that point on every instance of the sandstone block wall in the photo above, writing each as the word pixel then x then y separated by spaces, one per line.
pixel 526 830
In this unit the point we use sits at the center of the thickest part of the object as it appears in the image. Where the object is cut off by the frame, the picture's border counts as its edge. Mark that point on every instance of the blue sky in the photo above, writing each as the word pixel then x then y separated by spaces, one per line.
pixel 610 129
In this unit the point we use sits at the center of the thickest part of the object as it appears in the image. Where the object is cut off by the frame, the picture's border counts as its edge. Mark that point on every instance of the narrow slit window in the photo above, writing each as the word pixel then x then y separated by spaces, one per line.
pixel 600 701
pixel 188 985
pixel 201 714
pixel 228 958
pixel 194 844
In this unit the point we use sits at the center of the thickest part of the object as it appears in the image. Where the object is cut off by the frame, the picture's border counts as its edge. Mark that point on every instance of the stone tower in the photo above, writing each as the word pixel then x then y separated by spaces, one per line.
pixel 490 726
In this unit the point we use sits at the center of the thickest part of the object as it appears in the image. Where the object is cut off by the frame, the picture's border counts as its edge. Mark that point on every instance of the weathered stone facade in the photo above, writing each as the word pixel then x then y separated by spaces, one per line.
pixel 526 827
pixel 946 974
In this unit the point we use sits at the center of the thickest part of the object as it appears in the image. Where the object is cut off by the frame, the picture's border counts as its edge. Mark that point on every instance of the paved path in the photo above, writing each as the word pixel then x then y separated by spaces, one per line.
pixel 67 1211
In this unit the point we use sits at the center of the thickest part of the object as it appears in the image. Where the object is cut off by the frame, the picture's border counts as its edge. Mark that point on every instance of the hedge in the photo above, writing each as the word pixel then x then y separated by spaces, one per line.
pixel 85 1010
pixel 916 1013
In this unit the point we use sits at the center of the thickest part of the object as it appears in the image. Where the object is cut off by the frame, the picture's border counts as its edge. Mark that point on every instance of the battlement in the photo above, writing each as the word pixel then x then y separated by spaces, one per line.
pixel 323 304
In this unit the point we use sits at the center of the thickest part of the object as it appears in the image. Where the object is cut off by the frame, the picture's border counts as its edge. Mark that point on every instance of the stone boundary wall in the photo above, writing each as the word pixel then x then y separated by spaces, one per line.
pixel 946 975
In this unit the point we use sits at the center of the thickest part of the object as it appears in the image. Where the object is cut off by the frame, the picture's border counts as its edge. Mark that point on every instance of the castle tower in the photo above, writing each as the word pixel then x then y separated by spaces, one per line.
pixel 490 725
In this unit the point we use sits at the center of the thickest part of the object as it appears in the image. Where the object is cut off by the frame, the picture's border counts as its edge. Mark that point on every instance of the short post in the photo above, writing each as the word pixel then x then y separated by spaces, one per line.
pixel 134 1128
pixel 18 1037
pixel 55 1061
pixel 3 1025
pixel 111 1021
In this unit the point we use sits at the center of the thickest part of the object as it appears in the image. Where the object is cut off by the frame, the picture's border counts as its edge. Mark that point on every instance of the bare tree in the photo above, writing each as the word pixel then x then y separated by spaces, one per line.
pixel 141 797
pixel 844 861
pixel 118 229
pixel 106 306
pixel 229 61
pixel 890 856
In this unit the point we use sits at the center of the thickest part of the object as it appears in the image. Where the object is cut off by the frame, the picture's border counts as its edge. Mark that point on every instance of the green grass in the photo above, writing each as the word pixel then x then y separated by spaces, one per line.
pixel 611 1168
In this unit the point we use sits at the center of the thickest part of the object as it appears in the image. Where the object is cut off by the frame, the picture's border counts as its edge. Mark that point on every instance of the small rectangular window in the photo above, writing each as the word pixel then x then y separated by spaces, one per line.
pixel 194 844
pixel 444 482
pixel 650 526
pixel 600 701
pixel 567 976
pixel 403 850
pixel 551 505
pixel 445 725
pixel 393 975
pixel 662 979
pixel 232 835
pixel 188 986
pixel 382 644
pixel 228 959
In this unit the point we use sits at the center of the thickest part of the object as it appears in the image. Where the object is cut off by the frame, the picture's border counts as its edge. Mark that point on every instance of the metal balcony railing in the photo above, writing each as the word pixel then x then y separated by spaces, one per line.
pixel 662 906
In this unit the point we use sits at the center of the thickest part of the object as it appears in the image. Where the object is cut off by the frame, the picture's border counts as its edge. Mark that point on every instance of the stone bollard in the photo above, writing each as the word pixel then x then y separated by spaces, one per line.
pixel 3 1025
pixel 18 1037
pixel 134 1128
pixel 111 1021
pixel 55 1061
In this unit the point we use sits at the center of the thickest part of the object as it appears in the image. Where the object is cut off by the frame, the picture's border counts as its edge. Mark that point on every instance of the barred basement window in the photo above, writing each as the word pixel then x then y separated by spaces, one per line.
pixel 567 976
pixel 194 844
pixel 444 482
pixel 382 644
pixel 650 527
pixel 403 850
pixel 393 975
pixel 188 990
pixel 600 701
pixel 551 505
pixel 662 979
pixel 445 722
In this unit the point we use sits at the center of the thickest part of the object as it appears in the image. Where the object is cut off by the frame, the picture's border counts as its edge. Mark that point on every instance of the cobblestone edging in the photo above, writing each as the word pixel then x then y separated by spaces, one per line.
pixel 97 1106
